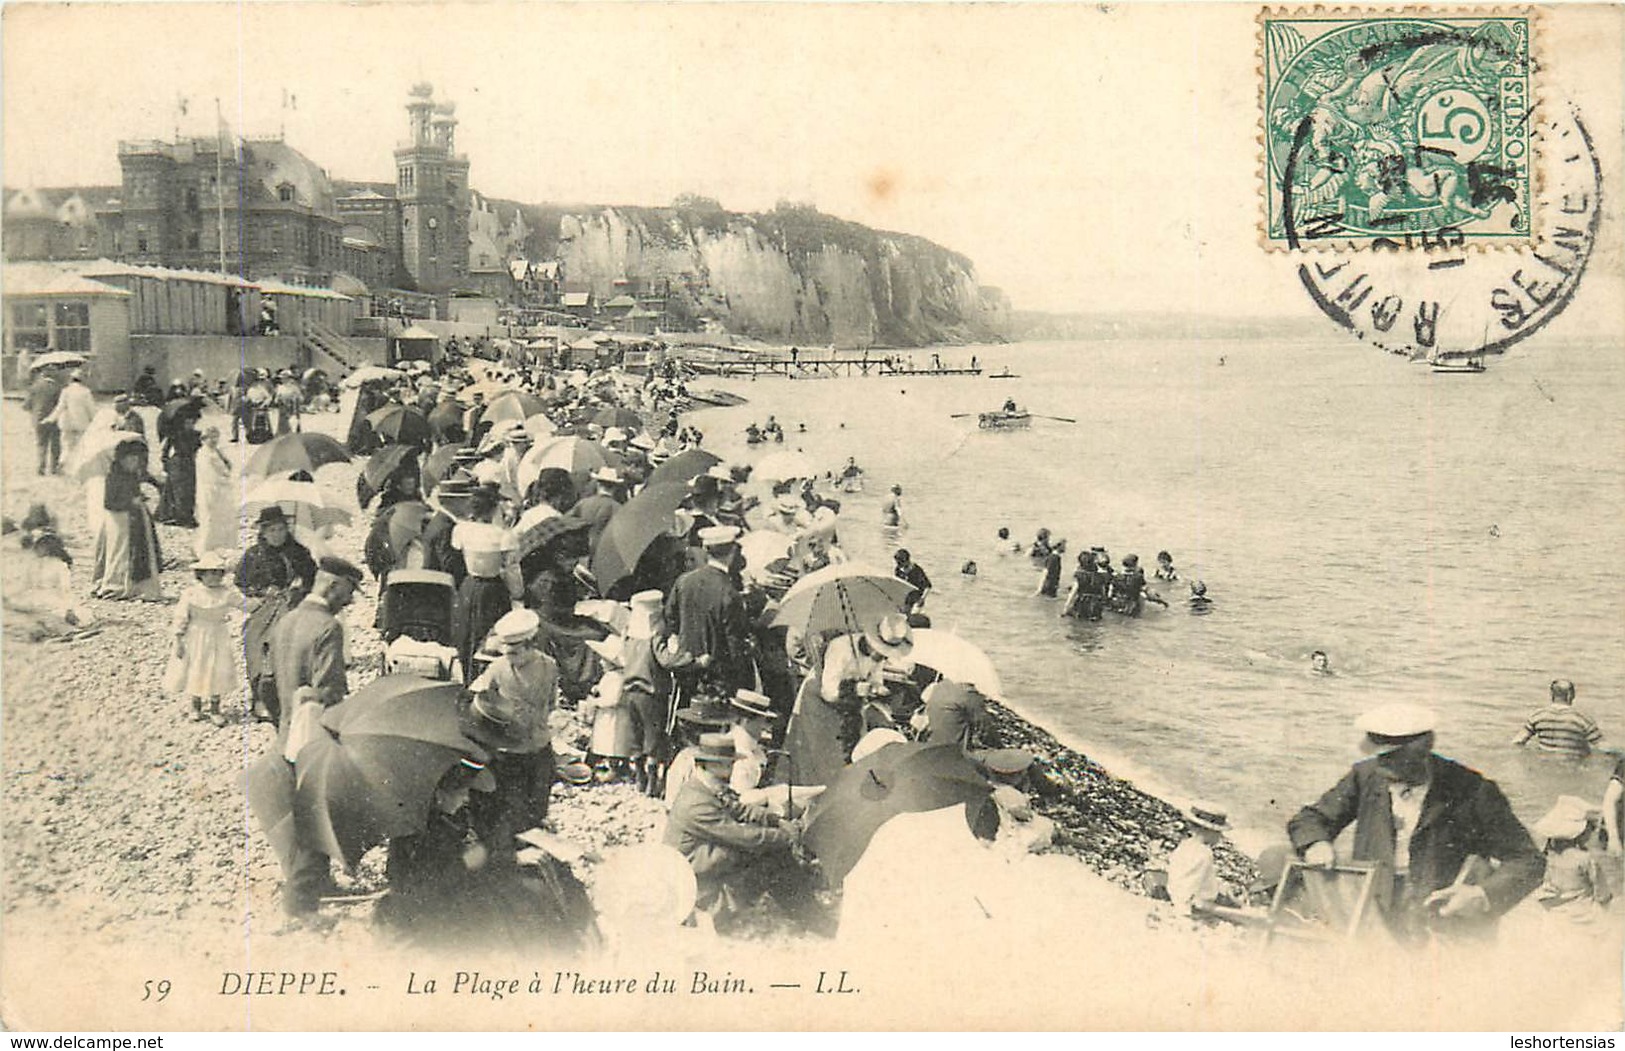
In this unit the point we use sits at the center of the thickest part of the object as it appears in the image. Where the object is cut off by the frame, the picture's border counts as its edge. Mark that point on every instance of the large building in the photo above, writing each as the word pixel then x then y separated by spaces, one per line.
pixel 271 205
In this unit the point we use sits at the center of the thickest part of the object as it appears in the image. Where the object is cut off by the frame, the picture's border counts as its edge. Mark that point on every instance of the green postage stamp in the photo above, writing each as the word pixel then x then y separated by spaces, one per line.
pixel 1405 129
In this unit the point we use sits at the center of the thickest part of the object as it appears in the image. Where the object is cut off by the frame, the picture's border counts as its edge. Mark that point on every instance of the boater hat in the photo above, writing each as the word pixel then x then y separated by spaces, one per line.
pixel 716 748
pixel 756 705
pixel 1208 815
pixel 272 515
pixel 1567 819
pixel 210 561
pixel 608 475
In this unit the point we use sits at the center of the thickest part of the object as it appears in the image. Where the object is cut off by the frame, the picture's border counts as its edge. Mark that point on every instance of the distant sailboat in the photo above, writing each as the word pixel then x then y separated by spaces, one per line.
pixel 1464 364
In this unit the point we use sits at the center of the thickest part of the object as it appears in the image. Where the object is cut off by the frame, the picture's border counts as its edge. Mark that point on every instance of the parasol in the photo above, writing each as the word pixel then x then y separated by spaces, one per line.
pixel 849 597
pixel 305 451
pixel 373 774
pixel 897 779
pixel 632 529
pixel 956 660
pixel 690 463
pixel 400 424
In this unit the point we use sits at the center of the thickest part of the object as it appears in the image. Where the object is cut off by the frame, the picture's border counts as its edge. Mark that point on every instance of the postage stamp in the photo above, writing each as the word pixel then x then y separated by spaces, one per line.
pixel 1397 128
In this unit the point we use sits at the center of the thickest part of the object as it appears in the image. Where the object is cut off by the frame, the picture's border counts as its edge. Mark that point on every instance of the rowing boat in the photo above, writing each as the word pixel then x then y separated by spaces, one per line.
pixel 1004 421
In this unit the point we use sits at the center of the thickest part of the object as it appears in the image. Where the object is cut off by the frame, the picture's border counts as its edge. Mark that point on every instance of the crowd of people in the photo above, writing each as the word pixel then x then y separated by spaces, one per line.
pixel 604 600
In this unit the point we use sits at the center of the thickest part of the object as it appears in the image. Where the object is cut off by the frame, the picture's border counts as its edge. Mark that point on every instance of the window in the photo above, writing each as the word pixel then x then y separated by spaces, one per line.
pixel 141 242
pixel 192 240
pixel 73 327
pixel 30 326
pixel 284 192
pixel 191 199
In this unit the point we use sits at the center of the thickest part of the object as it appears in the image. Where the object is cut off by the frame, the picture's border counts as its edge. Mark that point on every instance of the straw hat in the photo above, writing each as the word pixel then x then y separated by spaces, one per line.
pixel 892 637
pixel 1567 819
pixel 1208 815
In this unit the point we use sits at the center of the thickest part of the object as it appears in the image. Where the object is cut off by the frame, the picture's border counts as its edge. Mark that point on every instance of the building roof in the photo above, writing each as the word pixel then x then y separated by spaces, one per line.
pixel 110 268
pixel 28 203
pixel 277 288
pixel 577 299
pixel 622 301
pixel 364 195
pixel 274 163
pixel 48 279
pixel 639 312
pixel 416 332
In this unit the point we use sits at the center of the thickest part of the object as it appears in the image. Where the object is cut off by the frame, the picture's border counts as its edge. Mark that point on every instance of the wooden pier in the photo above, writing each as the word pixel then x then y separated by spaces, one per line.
pixel 810 368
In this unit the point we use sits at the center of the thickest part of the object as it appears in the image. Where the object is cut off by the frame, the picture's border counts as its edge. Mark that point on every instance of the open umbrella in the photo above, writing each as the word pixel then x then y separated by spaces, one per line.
pixel 512 405
pixel 900 778
pixel 404 523
pixel 369 374
pixel 385 462
pixel 633 528
pixel 400 424
pixel 56 359
pixel 852 596
pixel 439 463
pixel 956 660
pixel 305 501
pixel 690 463
pixel 305 451
pixel 540 425
pixel 373 774
pixel 98 448
pixel 618 416
pixel 268 784
pixel 579 456
pixel 783 466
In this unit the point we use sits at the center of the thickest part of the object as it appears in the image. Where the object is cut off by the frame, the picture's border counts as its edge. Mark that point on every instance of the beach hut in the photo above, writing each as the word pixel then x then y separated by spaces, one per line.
pixel 49 308
pixel 414 344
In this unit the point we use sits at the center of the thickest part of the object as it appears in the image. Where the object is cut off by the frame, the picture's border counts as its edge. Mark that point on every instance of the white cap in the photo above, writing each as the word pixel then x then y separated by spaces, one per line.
pixel 717 535
pixel 1397 720
pixel 520 625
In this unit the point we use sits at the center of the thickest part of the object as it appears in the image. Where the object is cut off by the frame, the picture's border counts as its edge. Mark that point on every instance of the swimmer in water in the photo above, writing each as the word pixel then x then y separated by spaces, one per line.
pixel 1165 567
pixel 1004 545
pixel 891 512
pixel 1320 664
pixel 1199 602
pixel 969 568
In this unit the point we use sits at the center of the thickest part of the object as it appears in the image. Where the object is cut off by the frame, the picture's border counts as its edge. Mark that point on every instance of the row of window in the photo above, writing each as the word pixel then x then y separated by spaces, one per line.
pixel 63 326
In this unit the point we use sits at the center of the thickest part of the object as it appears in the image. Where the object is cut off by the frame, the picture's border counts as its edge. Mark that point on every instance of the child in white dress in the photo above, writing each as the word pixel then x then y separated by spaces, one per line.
pixel 203 662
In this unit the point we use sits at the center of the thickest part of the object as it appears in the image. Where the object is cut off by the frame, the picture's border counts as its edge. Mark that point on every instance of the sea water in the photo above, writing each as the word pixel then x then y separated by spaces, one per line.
pixel 1450 540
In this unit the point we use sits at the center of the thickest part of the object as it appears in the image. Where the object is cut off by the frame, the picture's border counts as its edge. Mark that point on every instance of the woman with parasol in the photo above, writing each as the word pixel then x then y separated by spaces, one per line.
pixel 127 556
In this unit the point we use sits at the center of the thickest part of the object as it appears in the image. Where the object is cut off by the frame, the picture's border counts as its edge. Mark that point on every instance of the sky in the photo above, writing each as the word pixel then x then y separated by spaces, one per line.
pixel 1086 158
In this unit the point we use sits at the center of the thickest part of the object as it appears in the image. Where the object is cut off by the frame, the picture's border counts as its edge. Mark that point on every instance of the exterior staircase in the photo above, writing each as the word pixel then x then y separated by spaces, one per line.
pixel 329 350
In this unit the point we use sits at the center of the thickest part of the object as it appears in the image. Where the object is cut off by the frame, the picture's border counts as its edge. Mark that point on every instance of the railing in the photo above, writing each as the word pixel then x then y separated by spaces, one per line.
pixel 323 341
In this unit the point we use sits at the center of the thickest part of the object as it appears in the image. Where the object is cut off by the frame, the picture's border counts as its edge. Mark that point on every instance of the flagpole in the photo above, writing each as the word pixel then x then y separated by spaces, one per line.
pixel 220 183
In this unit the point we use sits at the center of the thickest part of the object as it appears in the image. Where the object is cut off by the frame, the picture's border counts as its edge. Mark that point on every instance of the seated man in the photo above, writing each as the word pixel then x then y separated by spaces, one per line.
pixel 737 852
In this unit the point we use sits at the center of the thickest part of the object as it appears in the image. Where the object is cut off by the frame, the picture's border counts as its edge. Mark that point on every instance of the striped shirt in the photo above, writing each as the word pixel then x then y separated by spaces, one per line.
pixel 1563 728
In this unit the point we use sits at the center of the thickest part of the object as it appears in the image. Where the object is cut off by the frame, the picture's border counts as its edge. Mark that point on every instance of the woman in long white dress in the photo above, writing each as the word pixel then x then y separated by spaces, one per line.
pixel 217 498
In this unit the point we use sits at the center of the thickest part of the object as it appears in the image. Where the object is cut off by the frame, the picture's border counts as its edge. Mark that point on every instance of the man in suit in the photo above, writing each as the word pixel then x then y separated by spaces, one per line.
pixel 600 506
pixel 707 615
pixel 307 655
pixel 43 395
pixel 737 852
pixel 1423 816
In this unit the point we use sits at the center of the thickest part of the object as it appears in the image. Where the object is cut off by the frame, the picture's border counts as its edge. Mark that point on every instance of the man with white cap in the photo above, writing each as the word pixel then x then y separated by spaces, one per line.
pixel 706 613
pixel 1426 817
pixel 1193 882
pixel 508 712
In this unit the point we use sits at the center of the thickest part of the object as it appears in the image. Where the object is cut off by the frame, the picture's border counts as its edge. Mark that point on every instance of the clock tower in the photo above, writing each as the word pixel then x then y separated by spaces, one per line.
pixel 431 183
